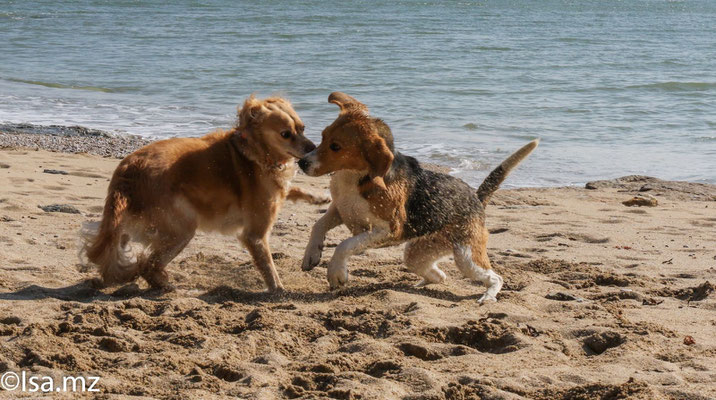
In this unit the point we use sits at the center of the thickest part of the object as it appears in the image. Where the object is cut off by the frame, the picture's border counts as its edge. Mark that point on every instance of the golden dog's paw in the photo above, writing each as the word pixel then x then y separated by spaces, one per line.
pixel 320 200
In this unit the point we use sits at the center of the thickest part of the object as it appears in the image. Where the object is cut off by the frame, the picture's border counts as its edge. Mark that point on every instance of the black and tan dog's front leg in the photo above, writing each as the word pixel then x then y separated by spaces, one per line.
pixel 295 194
pixel 314 249
pixel 338 266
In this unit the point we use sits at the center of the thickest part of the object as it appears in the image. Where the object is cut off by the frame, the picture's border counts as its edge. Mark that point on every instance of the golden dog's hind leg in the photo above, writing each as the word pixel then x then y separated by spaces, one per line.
pixel 163 251
pixel 295 194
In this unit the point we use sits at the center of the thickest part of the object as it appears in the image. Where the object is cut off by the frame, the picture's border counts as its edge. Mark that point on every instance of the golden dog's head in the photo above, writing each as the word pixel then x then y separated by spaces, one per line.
pixel 273 129
pixel 354 141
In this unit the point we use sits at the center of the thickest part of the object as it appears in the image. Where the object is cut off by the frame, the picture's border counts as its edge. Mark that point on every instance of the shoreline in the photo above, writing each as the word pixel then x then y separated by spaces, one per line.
pixel 79 139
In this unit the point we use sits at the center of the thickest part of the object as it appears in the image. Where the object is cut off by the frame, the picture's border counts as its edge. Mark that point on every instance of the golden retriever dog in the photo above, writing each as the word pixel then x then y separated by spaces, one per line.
pixel 232 181
pixel 386 198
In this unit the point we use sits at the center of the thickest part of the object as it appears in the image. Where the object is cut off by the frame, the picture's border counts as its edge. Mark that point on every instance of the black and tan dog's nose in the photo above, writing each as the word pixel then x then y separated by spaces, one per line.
pixel 309 147
pixel 304 164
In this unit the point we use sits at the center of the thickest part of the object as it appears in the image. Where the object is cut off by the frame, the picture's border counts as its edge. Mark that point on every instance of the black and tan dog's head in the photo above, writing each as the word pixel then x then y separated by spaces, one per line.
pixel 354 141
pixel 273 129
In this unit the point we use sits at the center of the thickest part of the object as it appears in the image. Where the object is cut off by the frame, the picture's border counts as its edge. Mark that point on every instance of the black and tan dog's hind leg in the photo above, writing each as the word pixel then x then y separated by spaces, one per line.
pixel 421 257
pixel 471 259
pixel 467 243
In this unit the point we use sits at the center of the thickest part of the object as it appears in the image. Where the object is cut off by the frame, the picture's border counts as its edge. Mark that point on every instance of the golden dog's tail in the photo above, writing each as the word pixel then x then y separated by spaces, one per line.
pixel 106 246
pixel 498 175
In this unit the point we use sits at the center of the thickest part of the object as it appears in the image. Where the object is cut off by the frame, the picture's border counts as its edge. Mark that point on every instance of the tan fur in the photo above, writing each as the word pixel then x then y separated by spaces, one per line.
pixel 231 182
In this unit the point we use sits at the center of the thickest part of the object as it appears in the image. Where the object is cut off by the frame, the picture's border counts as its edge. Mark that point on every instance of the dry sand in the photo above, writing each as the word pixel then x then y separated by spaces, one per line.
pixel 599 302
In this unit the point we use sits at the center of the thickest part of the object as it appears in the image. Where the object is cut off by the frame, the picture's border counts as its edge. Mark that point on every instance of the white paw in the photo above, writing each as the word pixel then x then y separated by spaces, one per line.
pixel 311 258
pixel 337 274
pixel 432 276
pixel 422 283
pixel 487 297
pixel 321 199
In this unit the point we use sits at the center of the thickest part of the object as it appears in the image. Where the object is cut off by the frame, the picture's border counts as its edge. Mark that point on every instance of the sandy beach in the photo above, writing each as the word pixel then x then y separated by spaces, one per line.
pixel 601 300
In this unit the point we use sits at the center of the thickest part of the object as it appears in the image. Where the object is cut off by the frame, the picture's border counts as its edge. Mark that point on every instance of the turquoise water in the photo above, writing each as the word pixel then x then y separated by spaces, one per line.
pixel 611 87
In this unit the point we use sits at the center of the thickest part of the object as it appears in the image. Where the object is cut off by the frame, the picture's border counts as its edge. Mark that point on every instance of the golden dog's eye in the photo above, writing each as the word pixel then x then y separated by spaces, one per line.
pixel 335 146
pixel 286 134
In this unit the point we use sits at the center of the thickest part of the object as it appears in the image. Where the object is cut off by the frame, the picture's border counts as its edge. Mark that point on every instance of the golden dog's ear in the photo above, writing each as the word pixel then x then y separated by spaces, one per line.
pixel 379 158
pixel 249 113
pixel 346 103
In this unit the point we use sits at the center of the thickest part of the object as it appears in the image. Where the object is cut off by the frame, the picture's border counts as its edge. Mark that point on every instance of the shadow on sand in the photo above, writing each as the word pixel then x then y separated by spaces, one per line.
pixel 87 291
pixel 222 294
pixel 83 292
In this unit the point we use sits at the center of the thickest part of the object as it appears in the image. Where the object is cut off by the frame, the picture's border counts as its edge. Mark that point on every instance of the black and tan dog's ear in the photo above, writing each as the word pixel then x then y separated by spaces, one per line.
pixel 346 103
pixel 379 158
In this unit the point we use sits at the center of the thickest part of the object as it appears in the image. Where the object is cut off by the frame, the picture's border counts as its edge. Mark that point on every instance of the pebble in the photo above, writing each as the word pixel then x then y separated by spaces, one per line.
pixel 63 208
pixel 562 296
pixel 641 200
pixel 55 172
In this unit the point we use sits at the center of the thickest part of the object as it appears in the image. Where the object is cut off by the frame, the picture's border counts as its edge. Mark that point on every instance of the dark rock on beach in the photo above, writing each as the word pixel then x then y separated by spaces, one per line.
pixel 69 139
pixel 63 208
pixel 675 190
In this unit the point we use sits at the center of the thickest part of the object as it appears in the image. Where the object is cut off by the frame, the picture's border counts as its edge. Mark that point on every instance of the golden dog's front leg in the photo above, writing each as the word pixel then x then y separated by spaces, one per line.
pixel 314 249
pixel 337 267
pixel 258 247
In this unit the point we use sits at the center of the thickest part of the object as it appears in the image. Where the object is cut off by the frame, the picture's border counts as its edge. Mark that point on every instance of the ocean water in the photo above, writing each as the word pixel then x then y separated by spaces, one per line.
pixel 611 87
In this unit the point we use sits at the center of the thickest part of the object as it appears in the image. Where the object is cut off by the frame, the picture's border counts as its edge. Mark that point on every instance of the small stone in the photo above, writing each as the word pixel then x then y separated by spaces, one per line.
pixel 641 200
pixel 55 171
pixel 63 208
pixel 689 341
pixel 561 296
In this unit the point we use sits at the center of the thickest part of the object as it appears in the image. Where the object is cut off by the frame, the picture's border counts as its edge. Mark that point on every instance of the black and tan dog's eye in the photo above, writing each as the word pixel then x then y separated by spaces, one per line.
pixel 286 134
pixel 335 146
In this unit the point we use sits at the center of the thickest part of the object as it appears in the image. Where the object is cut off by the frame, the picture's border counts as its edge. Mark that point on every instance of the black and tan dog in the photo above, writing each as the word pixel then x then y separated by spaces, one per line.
pixel 386 198
pixel 231 181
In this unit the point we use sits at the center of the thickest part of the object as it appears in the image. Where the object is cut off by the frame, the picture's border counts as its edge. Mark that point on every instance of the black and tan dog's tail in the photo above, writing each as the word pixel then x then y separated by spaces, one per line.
pixel 498 175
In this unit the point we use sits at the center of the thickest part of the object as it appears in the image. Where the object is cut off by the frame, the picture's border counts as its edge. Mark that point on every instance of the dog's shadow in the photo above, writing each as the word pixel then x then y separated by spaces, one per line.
pixel 87 292
pixel 223 294
pixel 84 292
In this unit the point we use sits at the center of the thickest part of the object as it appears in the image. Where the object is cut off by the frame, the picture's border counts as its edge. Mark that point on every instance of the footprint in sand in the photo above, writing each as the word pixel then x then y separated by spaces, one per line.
pixel 577 237
pixel 95 209
pixel 57 188
pixel 18 181
pixel 636 211
pixel 85 174
pixel 13 207
pixel 612 220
